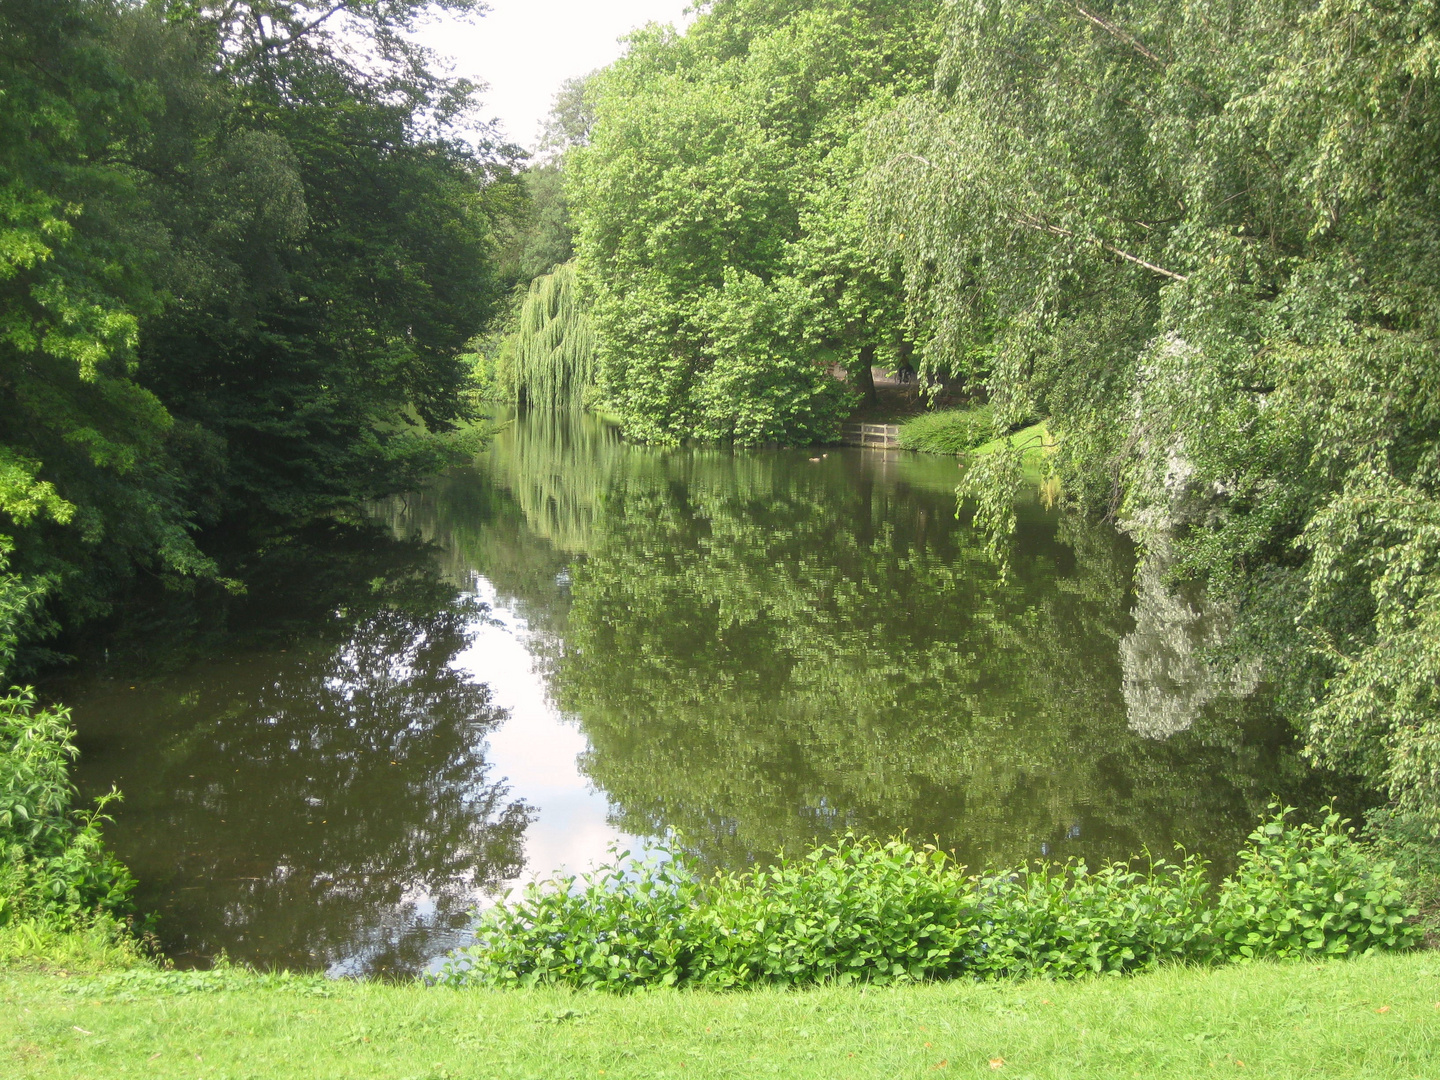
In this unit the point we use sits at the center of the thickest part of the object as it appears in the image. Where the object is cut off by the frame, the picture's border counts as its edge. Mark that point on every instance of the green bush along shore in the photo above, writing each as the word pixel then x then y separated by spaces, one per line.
pixel 79 996
pixel 871 912
pixel 53 862
pixel 948 431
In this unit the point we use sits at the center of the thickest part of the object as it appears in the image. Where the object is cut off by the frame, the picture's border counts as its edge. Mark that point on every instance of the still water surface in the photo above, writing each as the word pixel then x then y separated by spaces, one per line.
pixel 579 643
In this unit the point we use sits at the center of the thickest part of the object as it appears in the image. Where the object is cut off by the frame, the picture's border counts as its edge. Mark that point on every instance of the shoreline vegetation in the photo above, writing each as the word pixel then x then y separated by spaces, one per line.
pixel 80 994
pixel 862 911
pixel 969 431
pixel 853 911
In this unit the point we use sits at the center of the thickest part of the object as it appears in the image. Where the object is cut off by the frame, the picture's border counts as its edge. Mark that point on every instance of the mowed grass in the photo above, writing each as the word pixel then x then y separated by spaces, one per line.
pixel 1374 1018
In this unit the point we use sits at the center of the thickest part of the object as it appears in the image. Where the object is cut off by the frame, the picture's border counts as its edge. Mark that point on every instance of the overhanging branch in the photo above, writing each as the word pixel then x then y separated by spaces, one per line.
pixel 1056 230
pixel 1120 35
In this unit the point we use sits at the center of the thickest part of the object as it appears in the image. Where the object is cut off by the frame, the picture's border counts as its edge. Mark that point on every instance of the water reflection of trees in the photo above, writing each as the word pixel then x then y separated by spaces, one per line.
pixel 324 797
pixel 762 647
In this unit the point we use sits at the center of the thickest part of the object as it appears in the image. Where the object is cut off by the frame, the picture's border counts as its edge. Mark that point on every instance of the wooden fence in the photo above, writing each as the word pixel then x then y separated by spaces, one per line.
pixel 883 435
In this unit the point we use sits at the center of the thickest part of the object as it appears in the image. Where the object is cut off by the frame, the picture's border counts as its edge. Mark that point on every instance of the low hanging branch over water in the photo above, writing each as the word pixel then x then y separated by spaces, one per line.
pixel 1270 164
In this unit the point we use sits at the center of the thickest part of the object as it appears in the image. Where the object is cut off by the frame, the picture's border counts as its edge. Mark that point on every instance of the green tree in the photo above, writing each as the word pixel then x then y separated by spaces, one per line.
pixel 238 266
pixel 549 356
pixel 1195 236
pixel 343 260
pixel 87 473
pixel 542 351
pixel 716 230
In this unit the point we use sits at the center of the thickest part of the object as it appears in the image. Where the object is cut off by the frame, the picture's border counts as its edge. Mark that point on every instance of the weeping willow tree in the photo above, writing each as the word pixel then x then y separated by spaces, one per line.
pixel 1199 237
pixel 552 350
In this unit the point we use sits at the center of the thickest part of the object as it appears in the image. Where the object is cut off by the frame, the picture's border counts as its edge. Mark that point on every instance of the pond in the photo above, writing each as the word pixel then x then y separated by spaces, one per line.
pixel 580 642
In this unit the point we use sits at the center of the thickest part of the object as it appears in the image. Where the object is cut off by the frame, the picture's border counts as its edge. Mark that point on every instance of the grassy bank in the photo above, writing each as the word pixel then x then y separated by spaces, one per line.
pixel 1035 442
pixel 971 431
pixel 948 431
pixel 1374 1017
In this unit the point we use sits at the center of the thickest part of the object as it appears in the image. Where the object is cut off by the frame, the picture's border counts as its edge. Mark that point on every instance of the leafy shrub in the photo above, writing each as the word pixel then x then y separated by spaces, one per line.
pixel 855 910
pixel 948 431
pixel 1311 890
pixel 626 925
pixel 34 772
pixel 1066 921
pixel 860 910
pixel 52 858
pixel 1408 838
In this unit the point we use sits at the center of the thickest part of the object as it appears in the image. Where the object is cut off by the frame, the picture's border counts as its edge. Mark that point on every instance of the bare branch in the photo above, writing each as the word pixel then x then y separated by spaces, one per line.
pixel 1147 265
pixel 1120 35
pixel 268 44
pixel 1031 222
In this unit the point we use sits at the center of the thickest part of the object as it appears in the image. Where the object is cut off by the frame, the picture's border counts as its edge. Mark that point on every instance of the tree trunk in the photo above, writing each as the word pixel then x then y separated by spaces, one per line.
pixel 860 375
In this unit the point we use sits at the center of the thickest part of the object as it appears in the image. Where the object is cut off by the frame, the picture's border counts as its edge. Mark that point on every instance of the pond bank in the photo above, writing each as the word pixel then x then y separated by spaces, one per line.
pixel 1371 1017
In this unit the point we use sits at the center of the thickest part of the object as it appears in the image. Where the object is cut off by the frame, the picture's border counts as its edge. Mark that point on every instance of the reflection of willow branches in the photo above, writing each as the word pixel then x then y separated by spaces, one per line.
pixel 475 526
pixel 331 802
pixel 558 468
pixel 758 653
pixel 762 648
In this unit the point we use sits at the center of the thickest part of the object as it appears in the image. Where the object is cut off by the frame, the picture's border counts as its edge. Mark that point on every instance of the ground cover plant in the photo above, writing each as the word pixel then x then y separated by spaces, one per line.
pixel 874 912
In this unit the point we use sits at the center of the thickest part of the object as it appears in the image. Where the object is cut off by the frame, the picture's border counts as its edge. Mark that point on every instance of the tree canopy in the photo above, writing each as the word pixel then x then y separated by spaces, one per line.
pixel 724 257
pixel 242 250
pixel 1200 240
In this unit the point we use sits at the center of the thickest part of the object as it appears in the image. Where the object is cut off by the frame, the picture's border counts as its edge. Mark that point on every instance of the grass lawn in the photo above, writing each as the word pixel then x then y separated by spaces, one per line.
pixel 1035 440
pixel 1373 1018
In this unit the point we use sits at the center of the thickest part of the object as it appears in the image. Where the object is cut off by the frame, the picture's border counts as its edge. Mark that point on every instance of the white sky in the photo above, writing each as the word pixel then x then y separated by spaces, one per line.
pixel 524 49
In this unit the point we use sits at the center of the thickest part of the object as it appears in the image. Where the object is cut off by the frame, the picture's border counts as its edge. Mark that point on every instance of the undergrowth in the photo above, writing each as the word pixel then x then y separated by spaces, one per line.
pixel 92 944
pixel 860 910
pixel 53 861
pixel 1410 841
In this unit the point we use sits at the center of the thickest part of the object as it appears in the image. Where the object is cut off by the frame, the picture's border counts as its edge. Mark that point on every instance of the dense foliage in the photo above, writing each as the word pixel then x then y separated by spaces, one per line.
pixel 1200 239
pixel 241 252
pixel 717 228
pixel 1196 241
pixel 861 910
pixel 241 247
